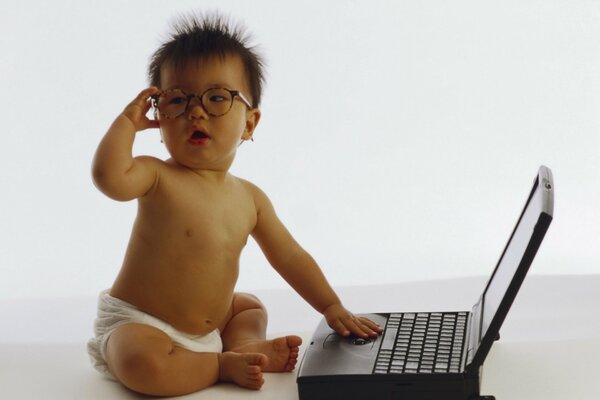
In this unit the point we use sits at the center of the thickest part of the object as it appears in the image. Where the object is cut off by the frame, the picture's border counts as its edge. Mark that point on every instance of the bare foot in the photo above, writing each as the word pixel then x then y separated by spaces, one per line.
pixel 243 369
pixel 282 352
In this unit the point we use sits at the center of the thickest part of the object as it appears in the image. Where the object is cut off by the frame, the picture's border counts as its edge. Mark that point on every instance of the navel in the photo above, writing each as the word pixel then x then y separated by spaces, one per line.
pixel 188 232
pixel 209 324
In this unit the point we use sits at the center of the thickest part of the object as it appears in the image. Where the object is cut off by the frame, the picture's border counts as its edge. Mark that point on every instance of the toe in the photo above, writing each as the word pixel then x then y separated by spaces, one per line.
pixel 253 370
pixel 257 359
pixel 293 341
pixel 255 381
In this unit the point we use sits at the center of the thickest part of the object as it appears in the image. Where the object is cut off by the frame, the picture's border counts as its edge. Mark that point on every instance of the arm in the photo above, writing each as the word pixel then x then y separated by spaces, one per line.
pixel 301 271
pixel 115 172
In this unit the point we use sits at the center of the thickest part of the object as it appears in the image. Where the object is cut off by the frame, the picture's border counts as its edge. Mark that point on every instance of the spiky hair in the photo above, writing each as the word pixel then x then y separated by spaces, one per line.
pixel 199 36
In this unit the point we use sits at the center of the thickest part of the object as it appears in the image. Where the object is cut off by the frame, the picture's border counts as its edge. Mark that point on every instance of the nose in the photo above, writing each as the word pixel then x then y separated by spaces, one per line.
pixel 195 109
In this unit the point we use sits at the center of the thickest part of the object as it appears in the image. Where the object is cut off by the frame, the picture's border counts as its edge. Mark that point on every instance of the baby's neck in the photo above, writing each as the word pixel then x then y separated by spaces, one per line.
pixel 217 176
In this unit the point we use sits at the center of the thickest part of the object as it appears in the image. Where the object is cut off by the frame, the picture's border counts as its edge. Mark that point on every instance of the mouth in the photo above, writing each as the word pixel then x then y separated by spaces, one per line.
pixel 199 138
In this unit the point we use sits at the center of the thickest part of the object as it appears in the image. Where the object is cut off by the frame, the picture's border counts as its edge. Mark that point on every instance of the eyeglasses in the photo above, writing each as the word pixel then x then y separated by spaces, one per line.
pixel 216 102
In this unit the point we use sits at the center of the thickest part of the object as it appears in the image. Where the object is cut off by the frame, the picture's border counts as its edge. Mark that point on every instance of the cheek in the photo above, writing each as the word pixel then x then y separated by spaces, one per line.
pixel 241 125
pixel 170 127
pixel 233 127
pixel 168 134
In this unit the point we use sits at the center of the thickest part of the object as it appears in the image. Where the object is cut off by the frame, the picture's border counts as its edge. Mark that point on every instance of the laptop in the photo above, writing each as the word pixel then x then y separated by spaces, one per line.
pixel 429 355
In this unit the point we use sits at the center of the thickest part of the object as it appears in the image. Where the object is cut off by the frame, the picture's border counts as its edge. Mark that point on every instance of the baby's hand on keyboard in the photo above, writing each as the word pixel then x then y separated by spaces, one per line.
pixel 345 323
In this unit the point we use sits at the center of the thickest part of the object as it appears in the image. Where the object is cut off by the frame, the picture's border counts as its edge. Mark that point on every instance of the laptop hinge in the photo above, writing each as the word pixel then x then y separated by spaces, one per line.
pixel 474 332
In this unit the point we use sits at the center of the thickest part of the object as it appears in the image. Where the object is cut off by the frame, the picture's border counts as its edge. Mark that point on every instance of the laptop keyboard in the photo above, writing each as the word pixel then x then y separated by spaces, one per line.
pixel 422 343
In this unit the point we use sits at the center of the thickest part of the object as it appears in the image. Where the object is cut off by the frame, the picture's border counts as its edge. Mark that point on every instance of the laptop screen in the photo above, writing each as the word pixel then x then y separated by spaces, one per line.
pixel 517 257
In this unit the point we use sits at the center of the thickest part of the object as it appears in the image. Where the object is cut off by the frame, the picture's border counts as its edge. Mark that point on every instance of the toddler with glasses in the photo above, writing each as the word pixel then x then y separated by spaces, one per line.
pixel 172 323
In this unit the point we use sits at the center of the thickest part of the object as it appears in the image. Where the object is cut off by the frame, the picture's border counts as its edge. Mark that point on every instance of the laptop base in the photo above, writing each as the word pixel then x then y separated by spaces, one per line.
pixel 356 387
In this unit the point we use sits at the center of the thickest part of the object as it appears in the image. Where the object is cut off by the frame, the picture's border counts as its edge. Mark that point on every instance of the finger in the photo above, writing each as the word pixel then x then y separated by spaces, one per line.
pixel 153 124
pixel 340 328
pixel 149 124
pixel 138 108
pixel 355 327
pixel 146 106
pixel 143 98
pixel 143 121
pixel 371 325
pixel 146 93
pixel 366 329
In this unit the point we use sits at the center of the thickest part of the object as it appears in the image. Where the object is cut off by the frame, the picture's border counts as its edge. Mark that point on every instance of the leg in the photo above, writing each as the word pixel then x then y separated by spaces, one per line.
pixel 248 322
pixel 246 332
pixel 145 360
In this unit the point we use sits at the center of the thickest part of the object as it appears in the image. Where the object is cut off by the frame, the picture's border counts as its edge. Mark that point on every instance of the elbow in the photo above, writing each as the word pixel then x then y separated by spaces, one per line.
pixel 98 177
pixel 111 186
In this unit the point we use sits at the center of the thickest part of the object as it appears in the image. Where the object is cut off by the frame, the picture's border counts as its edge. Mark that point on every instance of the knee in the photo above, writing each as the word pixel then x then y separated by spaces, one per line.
pixel 248 301
pixel 140 371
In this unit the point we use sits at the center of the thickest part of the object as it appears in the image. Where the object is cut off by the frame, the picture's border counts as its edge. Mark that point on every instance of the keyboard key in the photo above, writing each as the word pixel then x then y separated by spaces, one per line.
pixel 422 343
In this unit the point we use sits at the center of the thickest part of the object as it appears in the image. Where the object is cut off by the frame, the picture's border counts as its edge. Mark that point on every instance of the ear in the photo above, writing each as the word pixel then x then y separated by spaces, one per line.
pixel 252 119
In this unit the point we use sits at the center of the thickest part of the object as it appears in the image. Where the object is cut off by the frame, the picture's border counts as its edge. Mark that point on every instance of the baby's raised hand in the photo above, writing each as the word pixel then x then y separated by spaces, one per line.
pixel 345 323
pixel 136 110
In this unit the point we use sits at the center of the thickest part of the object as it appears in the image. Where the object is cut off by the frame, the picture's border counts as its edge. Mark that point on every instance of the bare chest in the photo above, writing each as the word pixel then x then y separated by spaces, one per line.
pixel 200 215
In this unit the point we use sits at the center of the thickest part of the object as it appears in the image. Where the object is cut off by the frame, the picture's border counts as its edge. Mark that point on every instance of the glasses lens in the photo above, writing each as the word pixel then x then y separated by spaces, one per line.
pixel 217 101
pixel 172 103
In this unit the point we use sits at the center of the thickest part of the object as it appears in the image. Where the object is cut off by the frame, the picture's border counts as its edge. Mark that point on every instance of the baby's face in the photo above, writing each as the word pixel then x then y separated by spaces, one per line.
pixel 196 139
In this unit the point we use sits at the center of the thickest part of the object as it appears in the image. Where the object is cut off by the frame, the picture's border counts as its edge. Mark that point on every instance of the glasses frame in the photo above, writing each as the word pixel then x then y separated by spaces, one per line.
pixel 190 96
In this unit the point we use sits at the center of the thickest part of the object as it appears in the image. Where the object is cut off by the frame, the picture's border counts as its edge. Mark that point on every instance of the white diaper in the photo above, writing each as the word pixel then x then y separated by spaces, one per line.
pixel 113 312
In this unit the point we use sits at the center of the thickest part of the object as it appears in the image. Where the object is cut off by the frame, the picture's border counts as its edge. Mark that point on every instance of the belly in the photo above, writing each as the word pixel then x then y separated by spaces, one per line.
pixel 192 300
pixel 184 276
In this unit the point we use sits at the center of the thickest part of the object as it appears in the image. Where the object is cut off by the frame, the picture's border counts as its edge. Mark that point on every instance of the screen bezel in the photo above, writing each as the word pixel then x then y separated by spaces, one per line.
pixel 541 197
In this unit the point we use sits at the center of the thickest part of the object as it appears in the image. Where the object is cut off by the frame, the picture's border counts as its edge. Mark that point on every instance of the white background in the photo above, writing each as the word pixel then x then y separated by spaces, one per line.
pixel 398 142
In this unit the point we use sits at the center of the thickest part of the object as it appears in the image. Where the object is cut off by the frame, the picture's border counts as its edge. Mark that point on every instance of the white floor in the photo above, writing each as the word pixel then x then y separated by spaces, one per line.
pixel 547 349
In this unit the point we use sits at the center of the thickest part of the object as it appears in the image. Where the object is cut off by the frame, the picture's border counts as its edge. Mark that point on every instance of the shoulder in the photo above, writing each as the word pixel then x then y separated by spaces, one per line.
pixel 261 200
pixel 250 187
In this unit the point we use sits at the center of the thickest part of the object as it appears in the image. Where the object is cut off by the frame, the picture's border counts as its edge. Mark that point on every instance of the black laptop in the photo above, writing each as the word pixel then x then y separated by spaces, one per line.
pixel 429 355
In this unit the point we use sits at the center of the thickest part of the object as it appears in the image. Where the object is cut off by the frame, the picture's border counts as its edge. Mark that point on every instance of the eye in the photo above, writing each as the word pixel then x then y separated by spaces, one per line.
pixel 215 98
pixel 175 100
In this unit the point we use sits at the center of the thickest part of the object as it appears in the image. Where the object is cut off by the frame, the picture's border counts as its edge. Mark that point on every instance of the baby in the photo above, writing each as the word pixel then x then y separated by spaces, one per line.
pixel 172 323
